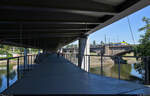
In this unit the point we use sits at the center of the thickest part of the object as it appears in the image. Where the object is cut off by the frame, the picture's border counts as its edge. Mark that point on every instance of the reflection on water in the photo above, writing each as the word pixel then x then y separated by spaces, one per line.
pixel 13 76
pixel 128 72
pixel 3 75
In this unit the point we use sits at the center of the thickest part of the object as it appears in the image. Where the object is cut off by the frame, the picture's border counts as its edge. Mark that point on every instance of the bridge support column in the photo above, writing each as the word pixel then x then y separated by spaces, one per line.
pixel 84 49
pixel 25 59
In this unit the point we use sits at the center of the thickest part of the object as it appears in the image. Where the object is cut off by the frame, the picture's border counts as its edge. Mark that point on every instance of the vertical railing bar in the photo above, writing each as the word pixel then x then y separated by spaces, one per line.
pixel 7 73
pixel 101 64
pixel 70 57
pixel 34 58
pixel 85 65
pixel 76 59
pixel 73 59
pixel 31 62
pixel 84 62
pixel 89 64
pixel 119 67
pixel 148 70
pixel 24 65
pixel 28 61
pixel 18 70
pixel 65 56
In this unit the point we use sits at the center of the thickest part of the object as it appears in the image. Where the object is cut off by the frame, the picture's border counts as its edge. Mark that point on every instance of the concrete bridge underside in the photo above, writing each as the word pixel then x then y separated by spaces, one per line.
pixel 51 24
pixel 58 76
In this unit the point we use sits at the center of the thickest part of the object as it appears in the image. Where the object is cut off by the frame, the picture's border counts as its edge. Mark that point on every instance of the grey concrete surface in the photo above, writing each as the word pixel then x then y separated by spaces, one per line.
pixel 58 76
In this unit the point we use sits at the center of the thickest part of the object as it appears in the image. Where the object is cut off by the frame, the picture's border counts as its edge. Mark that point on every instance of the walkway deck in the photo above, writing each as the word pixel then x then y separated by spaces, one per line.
pixel 58 76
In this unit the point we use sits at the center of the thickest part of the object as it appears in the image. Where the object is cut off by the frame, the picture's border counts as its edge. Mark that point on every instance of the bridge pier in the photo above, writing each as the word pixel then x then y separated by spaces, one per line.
pixel 84 49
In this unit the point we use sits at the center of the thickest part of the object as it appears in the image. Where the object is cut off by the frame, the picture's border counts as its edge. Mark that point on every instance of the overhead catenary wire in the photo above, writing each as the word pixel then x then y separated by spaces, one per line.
pixel 136 51
pixel 130 28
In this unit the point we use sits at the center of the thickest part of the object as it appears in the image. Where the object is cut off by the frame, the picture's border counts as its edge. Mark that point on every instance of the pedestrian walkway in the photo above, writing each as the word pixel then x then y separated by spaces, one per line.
pixel 58 76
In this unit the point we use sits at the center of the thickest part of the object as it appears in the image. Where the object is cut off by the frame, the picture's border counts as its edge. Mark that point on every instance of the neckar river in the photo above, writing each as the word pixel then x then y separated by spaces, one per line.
pixel 3 76
pixel 129 72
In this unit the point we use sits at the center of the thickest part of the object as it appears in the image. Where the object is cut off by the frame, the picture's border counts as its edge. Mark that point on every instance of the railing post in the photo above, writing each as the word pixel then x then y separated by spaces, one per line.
pixel 31 61
pixel 25 59
pixel 7 73
pixel 83 62
pixel 24 64
pixel 148 70
pixel 119 67
pixel 101 64
pixel 18 72
pixel 70 57
pixel 76 60
pixel 64 55
pixel 89 64
pixel 28 61
pixel 146 65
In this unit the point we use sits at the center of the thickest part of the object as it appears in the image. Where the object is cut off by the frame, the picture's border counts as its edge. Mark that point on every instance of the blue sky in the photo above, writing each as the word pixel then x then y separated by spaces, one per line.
pixel 119 30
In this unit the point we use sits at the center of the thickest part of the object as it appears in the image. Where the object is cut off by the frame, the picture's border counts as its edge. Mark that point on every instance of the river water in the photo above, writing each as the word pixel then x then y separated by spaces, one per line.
pixel 3 76
pixel 128 72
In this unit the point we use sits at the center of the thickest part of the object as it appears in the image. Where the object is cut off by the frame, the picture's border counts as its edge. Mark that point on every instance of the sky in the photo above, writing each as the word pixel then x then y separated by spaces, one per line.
pixel 119 30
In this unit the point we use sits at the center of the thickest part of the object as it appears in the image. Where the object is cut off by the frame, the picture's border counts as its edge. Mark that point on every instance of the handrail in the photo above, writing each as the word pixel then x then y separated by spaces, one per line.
pixel 14 57
pixel 116 60
pixel 117 56
pixel 110 55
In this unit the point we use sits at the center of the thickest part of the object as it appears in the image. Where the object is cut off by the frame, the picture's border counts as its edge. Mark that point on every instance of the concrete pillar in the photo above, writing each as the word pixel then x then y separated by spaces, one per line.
pixel 107 50
pixel 84 49
pixel 25 59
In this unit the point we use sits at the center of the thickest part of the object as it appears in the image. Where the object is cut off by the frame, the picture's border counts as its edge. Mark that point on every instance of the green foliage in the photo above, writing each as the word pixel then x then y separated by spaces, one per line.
pixel 9 50
pixel 143 48
pixel 139 67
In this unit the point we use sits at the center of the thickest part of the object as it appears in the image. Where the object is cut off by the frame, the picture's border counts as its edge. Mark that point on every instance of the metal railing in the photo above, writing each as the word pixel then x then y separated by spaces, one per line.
pixel 72 58
pixel 116 61
pixel 19 66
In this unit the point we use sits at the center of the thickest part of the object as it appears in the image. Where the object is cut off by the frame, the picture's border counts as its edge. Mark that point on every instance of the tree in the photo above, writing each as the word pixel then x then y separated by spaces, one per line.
pixel 143 48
